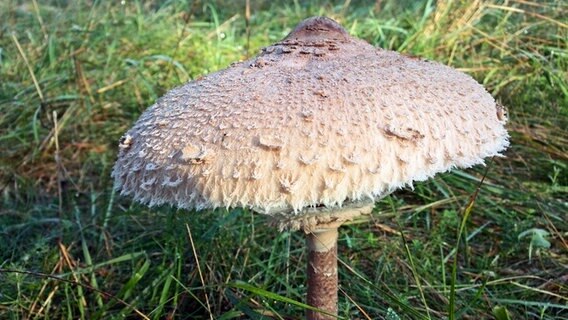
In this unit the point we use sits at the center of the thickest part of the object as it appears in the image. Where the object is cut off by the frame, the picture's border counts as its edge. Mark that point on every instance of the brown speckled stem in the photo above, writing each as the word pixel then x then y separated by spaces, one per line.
pixel 322 273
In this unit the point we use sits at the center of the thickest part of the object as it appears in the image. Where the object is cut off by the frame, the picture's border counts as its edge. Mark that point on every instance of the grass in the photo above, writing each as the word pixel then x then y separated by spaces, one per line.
pixel 74 76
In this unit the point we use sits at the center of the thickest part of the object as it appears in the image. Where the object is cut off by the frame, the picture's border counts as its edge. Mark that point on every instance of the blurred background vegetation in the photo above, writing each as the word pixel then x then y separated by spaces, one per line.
pixel 74 75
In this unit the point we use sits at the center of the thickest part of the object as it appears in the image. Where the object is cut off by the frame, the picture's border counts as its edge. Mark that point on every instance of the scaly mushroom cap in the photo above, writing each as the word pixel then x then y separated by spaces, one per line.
pixel 319 118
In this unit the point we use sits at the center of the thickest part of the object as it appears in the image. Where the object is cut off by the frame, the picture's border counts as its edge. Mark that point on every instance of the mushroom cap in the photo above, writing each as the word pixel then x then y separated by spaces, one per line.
pixel 317 119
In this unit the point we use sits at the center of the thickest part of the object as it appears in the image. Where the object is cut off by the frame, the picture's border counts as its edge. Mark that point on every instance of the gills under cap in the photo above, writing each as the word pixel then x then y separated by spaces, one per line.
pixel 317 119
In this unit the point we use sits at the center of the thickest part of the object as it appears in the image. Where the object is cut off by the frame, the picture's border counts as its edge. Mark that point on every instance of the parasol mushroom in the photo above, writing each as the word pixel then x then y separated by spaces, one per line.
pixel 310 132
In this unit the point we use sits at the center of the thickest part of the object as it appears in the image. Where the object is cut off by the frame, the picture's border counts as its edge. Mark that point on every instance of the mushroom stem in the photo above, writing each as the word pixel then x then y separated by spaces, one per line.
pixel 322 273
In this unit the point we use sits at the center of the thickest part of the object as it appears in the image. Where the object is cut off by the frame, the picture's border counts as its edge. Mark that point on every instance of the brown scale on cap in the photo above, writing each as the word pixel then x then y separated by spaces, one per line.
pixel 317 119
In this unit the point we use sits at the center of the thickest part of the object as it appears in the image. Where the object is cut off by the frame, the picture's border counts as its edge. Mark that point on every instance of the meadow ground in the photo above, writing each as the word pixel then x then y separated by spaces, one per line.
pixel 74 75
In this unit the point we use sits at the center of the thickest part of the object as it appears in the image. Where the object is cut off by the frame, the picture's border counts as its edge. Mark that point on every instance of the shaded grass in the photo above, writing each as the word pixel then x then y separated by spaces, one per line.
pixel 98 67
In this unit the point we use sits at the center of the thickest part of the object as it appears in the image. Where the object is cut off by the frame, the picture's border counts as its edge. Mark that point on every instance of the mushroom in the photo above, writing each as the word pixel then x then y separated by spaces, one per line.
pixel 310 132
